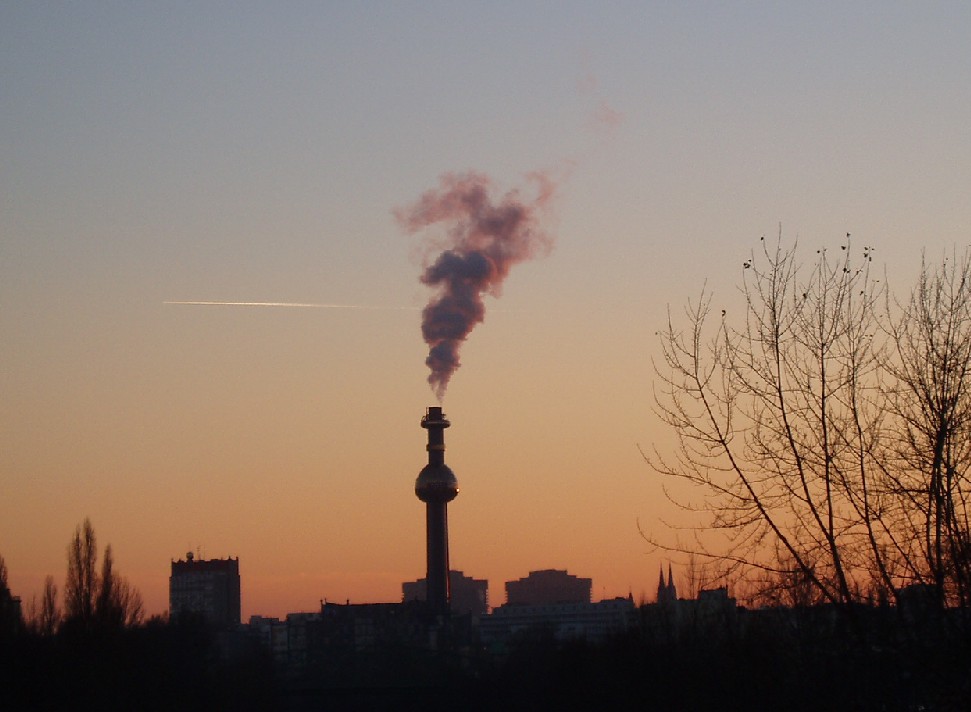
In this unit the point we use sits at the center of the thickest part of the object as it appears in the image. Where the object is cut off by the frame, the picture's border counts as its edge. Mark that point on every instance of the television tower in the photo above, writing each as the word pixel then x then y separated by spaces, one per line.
pixel 436 486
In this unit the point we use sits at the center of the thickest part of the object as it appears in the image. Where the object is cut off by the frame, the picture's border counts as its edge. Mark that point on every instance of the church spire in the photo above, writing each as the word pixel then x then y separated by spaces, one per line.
pixel 666 592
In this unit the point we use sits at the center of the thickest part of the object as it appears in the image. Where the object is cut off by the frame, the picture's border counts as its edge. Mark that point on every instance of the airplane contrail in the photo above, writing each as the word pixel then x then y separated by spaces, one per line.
pixel 299 305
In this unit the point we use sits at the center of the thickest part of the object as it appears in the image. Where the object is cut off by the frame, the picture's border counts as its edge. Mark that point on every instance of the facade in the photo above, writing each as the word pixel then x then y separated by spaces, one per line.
pixel 713 614
pixel 11 613
pixel 564 621
pixel 713 610
pixel 206 588
pixel 468 595
pixel 547 587
pixel 362 627
pixel 274 635
pixel 360 646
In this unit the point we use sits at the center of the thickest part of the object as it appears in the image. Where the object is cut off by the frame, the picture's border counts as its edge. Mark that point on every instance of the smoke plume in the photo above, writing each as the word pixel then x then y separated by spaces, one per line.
pixel 484 238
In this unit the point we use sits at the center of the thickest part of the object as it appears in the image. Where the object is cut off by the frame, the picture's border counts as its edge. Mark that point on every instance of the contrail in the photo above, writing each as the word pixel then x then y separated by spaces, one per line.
pixel 298 305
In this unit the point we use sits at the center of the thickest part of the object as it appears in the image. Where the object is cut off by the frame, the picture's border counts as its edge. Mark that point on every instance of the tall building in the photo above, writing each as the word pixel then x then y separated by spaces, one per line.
pixel 548 586
pixel 436 486
pixel 466 594
pixel 206 588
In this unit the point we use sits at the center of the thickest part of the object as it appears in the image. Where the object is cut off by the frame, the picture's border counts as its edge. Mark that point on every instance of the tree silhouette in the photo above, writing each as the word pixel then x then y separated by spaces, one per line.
pixel 50 617
pixel 82 577
pixel 777 419
pixel 105 601
pixel 930 453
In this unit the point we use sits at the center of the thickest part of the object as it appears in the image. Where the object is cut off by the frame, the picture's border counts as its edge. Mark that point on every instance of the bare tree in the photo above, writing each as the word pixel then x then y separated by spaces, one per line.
pixel 931 453
pixel 128 602
pixel 81 586
pixel 119 603
pixel 777 418
pixel 50 616
pixel 788 585
pixel 43 619
pixel 106 609
pixel 92 600
pixel 694 577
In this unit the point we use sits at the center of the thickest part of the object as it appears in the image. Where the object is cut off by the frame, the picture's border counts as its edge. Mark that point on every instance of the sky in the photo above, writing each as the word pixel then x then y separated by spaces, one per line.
pixel 257 152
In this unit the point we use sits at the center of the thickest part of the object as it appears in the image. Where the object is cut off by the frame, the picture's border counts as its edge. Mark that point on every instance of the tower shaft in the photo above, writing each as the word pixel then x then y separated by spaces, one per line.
pixel 436 528
pixel 436 486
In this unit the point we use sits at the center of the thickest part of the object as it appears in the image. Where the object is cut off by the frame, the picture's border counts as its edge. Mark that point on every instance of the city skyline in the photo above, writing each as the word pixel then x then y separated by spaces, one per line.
pixel 246 155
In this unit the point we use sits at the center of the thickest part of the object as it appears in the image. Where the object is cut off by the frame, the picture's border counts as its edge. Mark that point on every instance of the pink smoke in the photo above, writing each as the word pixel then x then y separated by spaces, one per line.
pixel 484 239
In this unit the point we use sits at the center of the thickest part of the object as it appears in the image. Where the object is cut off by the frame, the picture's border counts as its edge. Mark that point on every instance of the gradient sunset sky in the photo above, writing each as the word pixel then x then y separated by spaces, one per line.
pixel 255 152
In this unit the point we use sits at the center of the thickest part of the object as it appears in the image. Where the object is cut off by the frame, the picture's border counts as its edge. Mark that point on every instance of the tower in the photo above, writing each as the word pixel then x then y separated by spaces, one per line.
pixel 436 486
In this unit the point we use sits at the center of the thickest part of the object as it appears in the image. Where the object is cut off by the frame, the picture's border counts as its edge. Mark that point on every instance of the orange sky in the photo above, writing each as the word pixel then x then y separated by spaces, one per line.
pixel 183 153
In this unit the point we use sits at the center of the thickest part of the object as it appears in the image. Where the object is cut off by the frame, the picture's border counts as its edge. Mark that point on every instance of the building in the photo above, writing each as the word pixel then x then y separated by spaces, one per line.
pixel 11 613
pixel 205 588
pixel 355 648
pixel 563 621
pixel 667 593
pixel 274 635
pixel 546 587
pixel 468 595
pixel 713 615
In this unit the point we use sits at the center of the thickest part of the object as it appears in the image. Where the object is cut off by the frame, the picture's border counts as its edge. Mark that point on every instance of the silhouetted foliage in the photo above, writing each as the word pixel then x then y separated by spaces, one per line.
pixel 80 588
pixel 118 604
pixel 793 658
pixel 106 601
pixel 50 616
pixel 157 666
pixel 787 659
pixel 44 619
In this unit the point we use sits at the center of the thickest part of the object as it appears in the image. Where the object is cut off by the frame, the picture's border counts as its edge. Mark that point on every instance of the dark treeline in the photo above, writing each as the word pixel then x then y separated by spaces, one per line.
pixel 792 660
pixel 809 658
pixel 96 652
pixel 153 666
